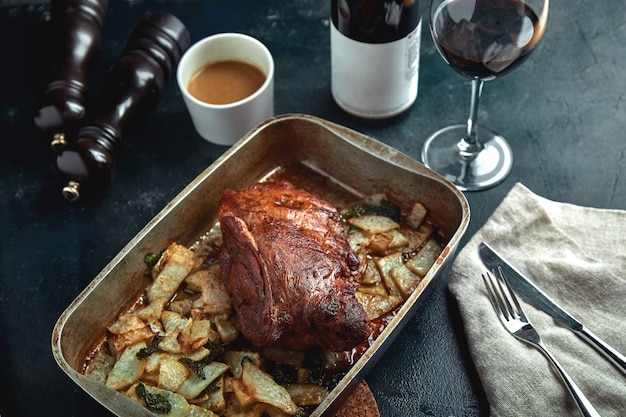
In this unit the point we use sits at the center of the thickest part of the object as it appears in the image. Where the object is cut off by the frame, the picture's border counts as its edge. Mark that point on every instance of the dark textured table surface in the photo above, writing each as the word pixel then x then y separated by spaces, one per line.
pixel 563 111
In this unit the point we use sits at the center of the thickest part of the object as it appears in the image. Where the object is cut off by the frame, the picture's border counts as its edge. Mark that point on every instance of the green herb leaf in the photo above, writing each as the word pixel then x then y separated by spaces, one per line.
pixel 151 259
pixel 155 402
pixel 197 367
pixel 147 351
pixel 382 208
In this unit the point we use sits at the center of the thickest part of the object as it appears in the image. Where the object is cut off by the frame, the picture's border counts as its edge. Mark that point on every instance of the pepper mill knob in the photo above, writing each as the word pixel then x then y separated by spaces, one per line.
pixel 130 92
pixel 77 26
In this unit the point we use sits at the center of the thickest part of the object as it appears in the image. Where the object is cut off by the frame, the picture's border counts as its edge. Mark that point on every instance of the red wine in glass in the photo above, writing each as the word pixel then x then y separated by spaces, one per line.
pixel 482 40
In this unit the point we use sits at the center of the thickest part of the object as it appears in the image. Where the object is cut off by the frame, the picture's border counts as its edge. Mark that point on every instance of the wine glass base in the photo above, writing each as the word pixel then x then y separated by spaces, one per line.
pixel 489 167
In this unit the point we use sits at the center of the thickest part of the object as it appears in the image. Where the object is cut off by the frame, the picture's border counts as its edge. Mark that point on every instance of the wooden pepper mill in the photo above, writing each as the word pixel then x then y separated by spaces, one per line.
pixel 129 93
pixel 76 26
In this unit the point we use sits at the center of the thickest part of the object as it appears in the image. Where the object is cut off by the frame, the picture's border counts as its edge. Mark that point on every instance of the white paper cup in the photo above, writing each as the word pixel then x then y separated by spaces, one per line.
pixel 224 124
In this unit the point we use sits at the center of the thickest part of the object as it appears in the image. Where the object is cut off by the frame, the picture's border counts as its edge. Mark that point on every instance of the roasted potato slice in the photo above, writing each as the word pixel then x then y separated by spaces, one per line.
pixel 235 360
pixel 359 239
pixel 128 368
pixel 405 279
pixel 262 387
pixel 194 385
pixel 306 394
pixel 197 411
pixel 177 333
pixel 226 328
pixel 215 397
pixel 417 238
pixel 126 323
pixel 377 305
pixel 202 332
pixel 379 243
pixel 421 262
pixel 214 298
pixel 385 265
pixel 234 409
pixel 371 275
pixel 153 360
pixel 173 267
pixel 373 223
pixel 375 289
pixel 99 366
pixel 385 242
pixel 119 342
pixel 182 307
pixel 417 215
pixel 172 373
pixel 244 397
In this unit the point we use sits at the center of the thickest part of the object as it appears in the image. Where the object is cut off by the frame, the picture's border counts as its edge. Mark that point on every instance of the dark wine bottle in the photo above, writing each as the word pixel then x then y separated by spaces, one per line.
pixel 130 92
pixel 375 48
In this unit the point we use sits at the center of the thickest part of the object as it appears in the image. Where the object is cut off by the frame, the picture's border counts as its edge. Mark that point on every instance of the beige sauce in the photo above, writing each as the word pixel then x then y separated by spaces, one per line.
pixel 225 82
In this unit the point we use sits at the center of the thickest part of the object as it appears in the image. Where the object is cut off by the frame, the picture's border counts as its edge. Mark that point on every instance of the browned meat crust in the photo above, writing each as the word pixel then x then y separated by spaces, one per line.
pixel 289 269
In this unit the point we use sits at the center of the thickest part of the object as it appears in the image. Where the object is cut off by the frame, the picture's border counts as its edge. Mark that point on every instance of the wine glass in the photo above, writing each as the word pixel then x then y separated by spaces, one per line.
pixel 482 40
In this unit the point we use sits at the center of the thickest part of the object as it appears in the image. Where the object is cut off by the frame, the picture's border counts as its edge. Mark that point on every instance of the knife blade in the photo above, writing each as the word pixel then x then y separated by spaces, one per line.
pixel 536 297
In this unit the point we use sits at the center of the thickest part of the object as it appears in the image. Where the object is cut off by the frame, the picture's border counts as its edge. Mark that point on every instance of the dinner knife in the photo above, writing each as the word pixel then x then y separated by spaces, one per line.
pixel 535 296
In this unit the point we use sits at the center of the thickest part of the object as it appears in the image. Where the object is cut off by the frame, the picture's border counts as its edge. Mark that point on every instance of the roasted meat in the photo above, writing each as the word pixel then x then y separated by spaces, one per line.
pixel 289 269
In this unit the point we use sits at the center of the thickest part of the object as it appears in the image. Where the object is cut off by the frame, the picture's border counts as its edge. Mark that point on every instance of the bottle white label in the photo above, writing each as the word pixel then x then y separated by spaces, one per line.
pixel 374 80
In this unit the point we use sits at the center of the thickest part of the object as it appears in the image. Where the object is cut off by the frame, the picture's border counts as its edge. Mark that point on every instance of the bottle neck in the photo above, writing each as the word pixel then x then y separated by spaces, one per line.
pixel 375 21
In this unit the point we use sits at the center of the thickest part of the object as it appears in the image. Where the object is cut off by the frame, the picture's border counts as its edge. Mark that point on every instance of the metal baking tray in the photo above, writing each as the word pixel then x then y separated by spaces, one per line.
pixel 352 160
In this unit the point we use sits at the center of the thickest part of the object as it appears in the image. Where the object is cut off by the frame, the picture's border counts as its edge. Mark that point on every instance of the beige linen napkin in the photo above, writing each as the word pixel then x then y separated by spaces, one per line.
pixel 577 255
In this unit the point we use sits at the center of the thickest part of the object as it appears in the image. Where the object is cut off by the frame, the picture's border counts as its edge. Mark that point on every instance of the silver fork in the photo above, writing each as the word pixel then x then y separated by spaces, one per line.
pixel 513 318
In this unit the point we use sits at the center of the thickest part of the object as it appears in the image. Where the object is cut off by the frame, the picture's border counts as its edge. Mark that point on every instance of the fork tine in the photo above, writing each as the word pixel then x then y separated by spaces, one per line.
pixel 492 293
pixel 511 294
pixel 503 296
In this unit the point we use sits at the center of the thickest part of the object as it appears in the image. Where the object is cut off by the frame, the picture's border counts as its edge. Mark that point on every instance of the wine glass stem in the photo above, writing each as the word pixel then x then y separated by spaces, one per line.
pixel 469 146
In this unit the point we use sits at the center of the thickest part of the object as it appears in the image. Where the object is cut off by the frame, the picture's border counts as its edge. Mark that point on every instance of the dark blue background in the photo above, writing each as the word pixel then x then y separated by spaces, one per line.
pixel 563 111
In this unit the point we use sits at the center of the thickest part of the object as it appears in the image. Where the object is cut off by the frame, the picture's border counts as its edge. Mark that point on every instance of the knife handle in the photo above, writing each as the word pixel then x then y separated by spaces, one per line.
pixel 613 355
